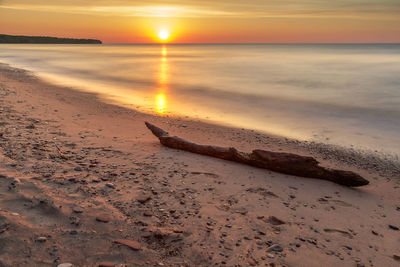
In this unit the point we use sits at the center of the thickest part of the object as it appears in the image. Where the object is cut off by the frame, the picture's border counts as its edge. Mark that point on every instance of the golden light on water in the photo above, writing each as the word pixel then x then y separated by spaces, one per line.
pixel 163 73
pixel 162 88
pixel 161 103
pixel 164 52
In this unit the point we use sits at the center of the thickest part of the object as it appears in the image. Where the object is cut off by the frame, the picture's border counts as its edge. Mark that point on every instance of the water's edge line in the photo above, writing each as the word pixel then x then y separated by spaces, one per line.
pixel 384 164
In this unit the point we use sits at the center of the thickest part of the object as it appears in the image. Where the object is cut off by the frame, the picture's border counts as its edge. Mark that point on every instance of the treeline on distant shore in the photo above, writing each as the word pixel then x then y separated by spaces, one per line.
pixel 14 39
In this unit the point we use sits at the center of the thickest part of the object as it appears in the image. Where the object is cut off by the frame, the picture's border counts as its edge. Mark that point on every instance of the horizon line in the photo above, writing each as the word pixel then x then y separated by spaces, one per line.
pixel 254 43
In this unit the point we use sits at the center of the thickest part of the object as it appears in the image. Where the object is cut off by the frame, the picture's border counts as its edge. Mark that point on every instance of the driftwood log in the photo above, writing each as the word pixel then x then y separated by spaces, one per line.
pixel 286 163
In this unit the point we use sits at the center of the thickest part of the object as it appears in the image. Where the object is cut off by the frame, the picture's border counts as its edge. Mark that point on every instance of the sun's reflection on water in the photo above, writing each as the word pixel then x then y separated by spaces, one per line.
pixel 164 51
pixel 161 102
pixel 162 83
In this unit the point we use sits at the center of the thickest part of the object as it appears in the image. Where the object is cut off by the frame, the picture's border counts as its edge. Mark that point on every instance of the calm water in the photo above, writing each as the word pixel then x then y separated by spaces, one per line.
pixel 341 94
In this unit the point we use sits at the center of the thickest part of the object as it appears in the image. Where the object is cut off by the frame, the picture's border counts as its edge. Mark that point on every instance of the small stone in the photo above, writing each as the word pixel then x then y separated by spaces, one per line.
pixel 241 210
pixel 73 232
pixel 143 198
pixel 312 241
pixel 251 262
pixel 275 248
pixel 65 265
pixel 271 256
pixel 374 232
pixel 73 179
pixel 148 213
pixel 77 209
pixel 103 217
pixel 209 228
pixel 129 243
pixel 396 257
pixel 274 221
pixel 78 169
pixel 110 185
pixel 260 242
pixel 41 239
pixel 15 181
pixel 393 227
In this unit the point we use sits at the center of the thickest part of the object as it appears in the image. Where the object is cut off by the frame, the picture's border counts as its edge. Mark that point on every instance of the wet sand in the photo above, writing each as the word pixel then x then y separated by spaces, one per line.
pixel 78 178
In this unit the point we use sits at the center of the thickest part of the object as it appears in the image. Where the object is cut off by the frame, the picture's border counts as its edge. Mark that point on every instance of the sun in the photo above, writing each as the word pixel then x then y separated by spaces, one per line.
pixel 163 35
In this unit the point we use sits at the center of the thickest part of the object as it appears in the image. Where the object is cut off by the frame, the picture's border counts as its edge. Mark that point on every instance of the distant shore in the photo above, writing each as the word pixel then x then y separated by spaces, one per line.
pixel 18 39
pixel 78 176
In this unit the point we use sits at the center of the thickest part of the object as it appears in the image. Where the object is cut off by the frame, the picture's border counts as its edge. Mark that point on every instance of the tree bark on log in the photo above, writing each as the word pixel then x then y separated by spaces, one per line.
pixel 286 163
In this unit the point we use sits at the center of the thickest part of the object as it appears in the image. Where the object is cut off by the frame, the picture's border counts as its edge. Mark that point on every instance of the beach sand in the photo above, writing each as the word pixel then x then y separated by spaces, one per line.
pixel 79 177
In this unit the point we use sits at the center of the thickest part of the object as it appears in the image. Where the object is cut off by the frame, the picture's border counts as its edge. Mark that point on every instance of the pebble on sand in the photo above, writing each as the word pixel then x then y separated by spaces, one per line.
pixel 143 198
pixel 103 217
pixel 274 221
pixel 77 209
pixel 275 248
pixel 41 239
pixel 129 243
pixel 110 185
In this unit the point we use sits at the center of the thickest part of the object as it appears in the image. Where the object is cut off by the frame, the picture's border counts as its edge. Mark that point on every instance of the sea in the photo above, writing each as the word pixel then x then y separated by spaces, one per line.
pixel 346 95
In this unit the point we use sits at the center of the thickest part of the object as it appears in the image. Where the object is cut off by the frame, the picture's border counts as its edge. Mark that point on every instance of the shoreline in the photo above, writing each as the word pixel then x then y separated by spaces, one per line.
pixel 75 170
pixel 385 164
pixel 311 107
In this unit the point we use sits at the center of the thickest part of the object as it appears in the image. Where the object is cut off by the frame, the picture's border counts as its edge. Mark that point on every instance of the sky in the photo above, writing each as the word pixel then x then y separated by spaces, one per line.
pixel 206 21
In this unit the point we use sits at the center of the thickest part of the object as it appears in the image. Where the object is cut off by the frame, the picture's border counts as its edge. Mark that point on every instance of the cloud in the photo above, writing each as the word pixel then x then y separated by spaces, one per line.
pixel 222 8
pixel 128 11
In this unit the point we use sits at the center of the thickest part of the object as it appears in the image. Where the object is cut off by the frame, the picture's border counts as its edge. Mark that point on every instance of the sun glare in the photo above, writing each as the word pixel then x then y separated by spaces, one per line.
pixel 161 103
pixel 163 35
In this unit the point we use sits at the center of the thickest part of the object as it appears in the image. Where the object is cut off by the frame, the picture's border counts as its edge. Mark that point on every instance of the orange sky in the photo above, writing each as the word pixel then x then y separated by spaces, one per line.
pixel 194 21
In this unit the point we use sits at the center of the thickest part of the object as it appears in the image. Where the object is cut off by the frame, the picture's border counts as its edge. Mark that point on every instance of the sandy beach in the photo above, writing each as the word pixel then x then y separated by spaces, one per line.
pixel 86 183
